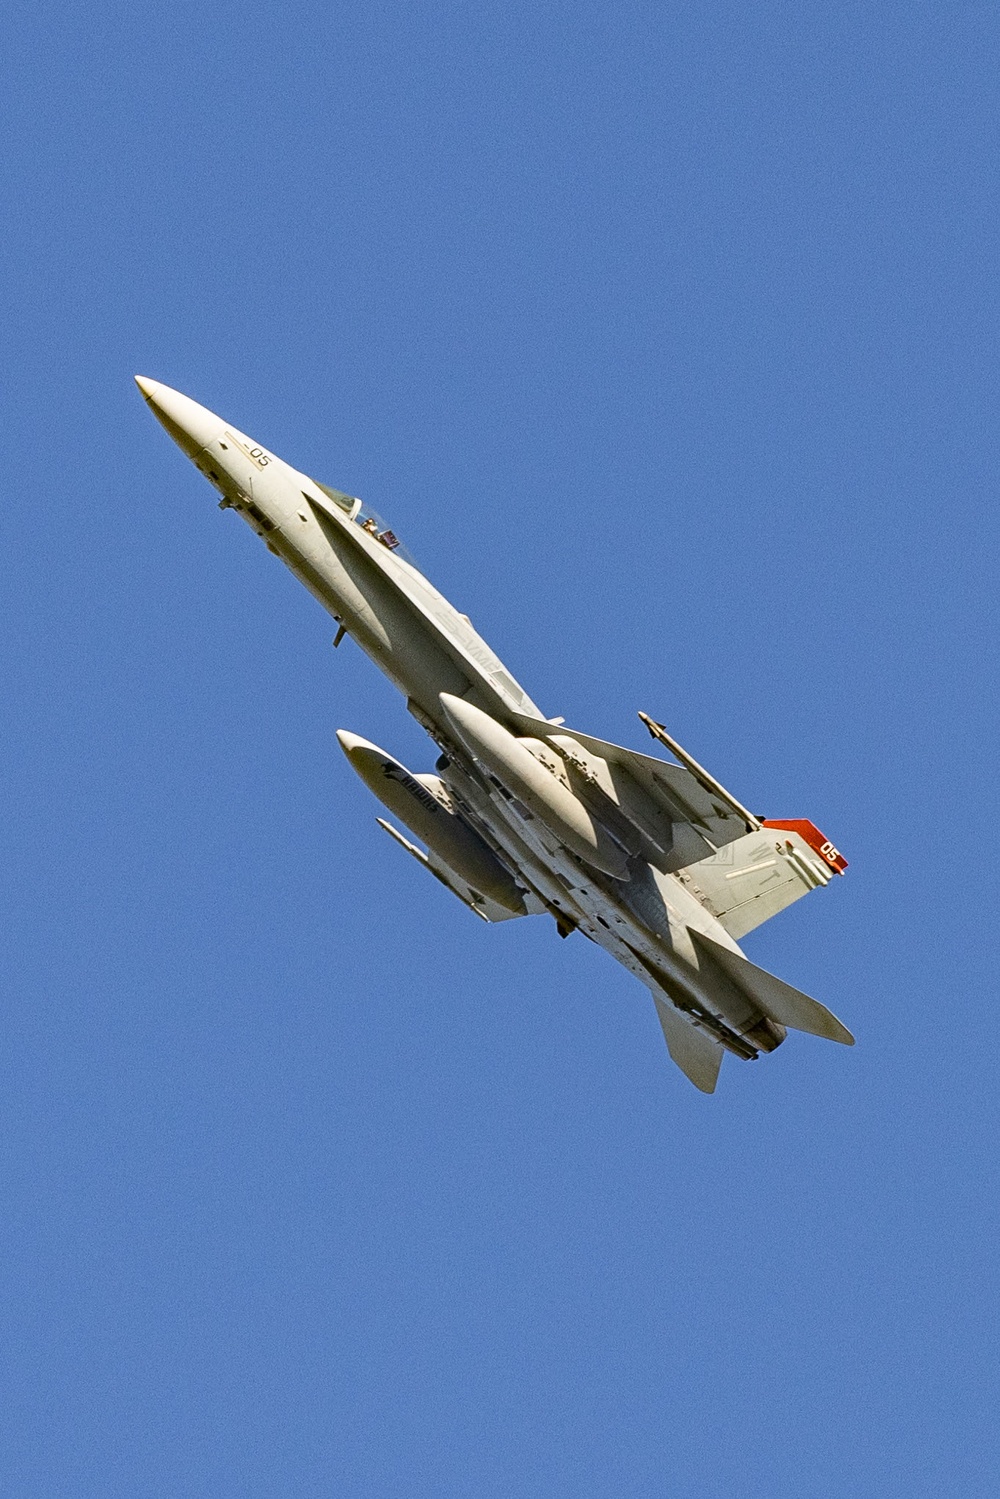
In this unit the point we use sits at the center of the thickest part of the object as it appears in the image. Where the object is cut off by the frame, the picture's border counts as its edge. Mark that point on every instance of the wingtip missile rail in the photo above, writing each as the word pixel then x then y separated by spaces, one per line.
pixel 707 781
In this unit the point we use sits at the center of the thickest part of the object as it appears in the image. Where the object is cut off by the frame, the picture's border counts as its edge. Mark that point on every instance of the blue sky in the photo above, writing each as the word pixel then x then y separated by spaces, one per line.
pixel 666 338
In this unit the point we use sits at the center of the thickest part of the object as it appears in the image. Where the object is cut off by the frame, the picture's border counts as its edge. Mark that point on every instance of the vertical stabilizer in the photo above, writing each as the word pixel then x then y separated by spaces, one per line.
pixel 697 1055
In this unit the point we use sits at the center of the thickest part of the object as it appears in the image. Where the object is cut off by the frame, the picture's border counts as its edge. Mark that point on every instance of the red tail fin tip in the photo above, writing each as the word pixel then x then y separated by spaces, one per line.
pixel 811 834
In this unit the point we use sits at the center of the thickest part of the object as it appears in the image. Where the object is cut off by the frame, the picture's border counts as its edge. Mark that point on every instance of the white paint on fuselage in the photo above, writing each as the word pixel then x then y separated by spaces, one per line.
pixel 410 630
pixel 426 647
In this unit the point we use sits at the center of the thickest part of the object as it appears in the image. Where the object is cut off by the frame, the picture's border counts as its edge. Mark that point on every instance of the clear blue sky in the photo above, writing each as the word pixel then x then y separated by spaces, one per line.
pixel 666 337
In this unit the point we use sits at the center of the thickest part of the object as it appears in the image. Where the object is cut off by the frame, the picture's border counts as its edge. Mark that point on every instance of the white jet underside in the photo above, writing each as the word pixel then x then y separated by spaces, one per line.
pixel 651 859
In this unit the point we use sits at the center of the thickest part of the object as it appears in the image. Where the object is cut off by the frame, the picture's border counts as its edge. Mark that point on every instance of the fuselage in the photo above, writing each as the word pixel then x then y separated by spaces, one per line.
pixel 642 915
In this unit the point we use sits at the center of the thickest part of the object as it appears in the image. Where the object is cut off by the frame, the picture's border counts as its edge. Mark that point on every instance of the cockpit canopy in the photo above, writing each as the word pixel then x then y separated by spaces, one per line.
pixel 344 501
pixel 368 519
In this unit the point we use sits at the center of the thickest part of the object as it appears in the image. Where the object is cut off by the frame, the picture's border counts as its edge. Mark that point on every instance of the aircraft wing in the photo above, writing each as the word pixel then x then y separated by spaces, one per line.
pixel 689 817
pixel 741 868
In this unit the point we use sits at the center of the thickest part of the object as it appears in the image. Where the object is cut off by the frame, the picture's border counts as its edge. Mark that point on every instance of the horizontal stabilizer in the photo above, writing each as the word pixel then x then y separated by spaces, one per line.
pixel 697 1055
pixel 788 1006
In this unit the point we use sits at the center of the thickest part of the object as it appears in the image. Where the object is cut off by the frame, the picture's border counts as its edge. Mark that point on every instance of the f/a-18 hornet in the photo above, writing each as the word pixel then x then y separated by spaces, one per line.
pixel 651 859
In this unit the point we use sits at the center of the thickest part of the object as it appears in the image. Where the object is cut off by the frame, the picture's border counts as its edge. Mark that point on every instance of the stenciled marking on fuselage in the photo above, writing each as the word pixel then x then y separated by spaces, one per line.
pixel 255 454
pixel 412 785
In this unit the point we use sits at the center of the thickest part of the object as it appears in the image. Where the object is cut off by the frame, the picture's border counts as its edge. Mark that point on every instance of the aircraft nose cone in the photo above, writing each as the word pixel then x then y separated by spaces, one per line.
pixel 191 426
pixel 351 743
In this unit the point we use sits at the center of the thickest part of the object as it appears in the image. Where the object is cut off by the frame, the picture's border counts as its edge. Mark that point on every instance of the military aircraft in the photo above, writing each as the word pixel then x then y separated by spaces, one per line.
pixel 651 859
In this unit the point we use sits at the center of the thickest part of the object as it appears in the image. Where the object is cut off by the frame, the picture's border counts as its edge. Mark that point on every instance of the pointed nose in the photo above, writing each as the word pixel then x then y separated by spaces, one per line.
pixel 191 426
pixel 351 743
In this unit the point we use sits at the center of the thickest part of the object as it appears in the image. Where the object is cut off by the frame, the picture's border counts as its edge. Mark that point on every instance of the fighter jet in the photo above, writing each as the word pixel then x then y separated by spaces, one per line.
pixel 651 859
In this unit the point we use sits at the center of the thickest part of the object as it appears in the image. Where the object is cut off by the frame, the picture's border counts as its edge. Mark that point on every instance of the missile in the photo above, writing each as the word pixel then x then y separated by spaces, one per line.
pixel 519 765
pixel 424 803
